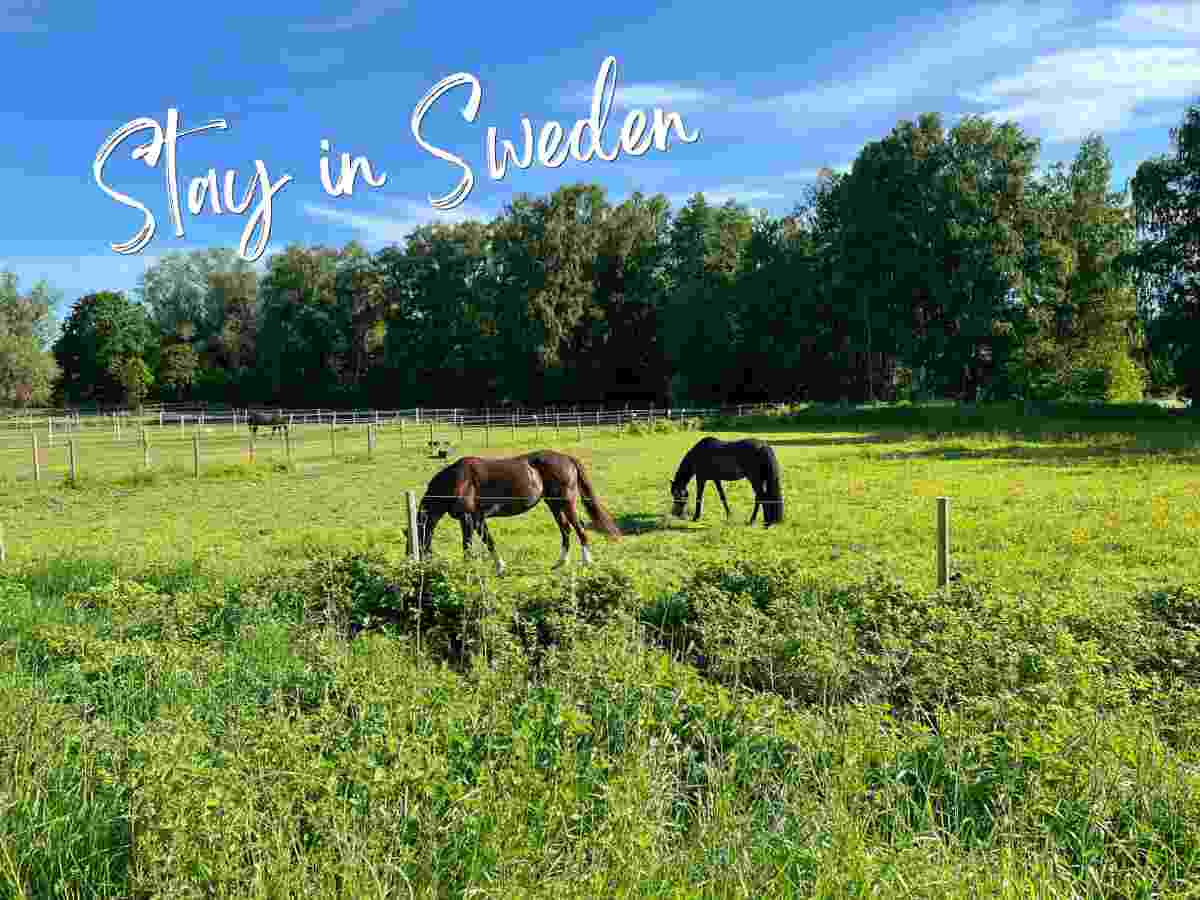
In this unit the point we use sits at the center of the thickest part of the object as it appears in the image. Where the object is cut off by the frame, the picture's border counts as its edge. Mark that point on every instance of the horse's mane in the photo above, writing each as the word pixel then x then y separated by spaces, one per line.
pixel 773 508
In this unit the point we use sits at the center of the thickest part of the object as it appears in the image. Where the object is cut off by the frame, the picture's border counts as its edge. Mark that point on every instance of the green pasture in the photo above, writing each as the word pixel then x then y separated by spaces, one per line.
pixel 189 708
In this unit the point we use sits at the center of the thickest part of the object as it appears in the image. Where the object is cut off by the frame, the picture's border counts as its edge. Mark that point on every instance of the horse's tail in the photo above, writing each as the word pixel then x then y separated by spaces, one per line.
pixel 599 515
pixel 773 507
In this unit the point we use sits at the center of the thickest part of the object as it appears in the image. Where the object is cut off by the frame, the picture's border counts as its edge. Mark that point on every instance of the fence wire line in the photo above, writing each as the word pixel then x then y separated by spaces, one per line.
pixel 491 497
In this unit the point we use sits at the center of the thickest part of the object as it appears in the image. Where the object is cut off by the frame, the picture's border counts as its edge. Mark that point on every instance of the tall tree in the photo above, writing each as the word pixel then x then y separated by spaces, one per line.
pixel 27 327
pixel 1166 201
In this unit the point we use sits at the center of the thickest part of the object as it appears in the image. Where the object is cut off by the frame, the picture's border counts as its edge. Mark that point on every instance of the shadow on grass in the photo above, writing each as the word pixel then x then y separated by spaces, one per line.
pixel 634 524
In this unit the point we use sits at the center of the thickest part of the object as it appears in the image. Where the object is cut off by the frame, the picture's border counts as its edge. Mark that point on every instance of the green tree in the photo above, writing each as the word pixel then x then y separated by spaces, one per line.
pixel 103 334
pixel 1080 305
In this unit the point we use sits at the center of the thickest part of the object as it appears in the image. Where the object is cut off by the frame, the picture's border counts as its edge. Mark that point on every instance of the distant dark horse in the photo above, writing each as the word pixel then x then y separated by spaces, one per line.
pixel 277 422
pixel 717 461
pixel 472 488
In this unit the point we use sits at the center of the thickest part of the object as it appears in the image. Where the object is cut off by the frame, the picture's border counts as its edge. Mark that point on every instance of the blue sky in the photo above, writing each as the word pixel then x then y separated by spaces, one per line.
pixel 776 91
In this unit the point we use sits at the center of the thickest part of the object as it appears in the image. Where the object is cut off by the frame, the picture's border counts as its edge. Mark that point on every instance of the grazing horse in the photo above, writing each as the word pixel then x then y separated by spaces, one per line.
pixel 717 461
pixel 472 489
pixel 277 422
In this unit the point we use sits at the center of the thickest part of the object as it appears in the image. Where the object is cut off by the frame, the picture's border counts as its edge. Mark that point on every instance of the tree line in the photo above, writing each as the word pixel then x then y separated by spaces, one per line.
pixel 942 264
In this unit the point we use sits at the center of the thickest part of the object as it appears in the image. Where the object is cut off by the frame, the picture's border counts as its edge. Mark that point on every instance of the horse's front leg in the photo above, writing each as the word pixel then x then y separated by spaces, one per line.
pixel 701 484
pixel 721 494
pixel 468 532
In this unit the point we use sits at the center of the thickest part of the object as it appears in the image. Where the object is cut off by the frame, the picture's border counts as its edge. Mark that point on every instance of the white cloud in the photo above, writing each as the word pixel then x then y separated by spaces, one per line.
pixel 1066 95
pixel 923 69
pixel 380 230
pixel 364 12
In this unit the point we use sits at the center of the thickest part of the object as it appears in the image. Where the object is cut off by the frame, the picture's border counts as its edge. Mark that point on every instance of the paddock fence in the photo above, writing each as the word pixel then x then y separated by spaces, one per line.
pixel 40 444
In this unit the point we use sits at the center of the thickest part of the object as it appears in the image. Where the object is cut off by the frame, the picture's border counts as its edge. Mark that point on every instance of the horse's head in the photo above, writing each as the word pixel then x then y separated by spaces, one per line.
pixel 679 495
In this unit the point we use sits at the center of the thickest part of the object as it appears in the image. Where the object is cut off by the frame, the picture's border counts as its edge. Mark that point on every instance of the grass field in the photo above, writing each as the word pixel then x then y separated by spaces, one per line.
pixel 236 685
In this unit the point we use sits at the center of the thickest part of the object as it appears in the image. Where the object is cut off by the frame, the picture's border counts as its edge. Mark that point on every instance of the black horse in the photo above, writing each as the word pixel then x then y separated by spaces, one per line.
pixel 717 461
pixel 473 488
pixel 276 421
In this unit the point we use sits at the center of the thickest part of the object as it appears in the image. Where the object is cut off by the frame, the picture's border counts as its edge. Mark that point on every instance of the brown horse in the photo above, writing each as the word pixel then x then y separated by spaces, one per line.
pixel 472 489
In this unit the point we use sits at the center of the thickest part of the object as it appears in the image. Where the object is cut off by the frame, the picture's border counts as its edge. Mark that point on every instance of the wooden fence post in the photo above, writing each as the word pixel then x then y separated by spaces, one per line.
pixel 50 431
pixel 196 455
pixel 943 541
pixel 287 443
pixel 431 433
pixel 71 457
pixel 251 446
pixel 579 425
pixel 145 447
pixel 461 433
pixel 414 543
pixel 37 463
pixel 332 437
pixel 370 440
pixel 557 428
pixel 514 427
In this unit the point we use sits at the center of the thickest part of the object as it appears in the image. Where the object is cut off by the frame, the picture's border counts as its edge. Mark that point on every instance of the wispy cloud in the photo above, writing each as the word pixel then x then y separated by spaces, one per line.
pixel 364 12
pixel 1066 95
pixel 381 230
pixel 308 63
pixel 1157 20
pixel 17 16
pixel 719 196
pixel 668 97
pixel 974 36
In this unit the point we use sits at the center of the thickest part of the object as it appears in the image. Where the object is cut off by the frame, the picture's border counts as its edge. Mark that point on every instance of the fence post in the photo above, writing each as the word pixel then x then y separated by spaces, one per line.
pixel 251 433
pixel 414 543
pixel 50 432
pixel 431 434
pixel 556 424
pixel 370 440
pixel 182 425
pixel 145 447
pixel 287 443
pixel 418 415
pixel 943 541
pixel 71 457
pixel 514 427
pixel 196 455
pixel 401 434
pixel 235 420
pixel 37 464
pixel 579 425
pixel 332 438
pixel 461 433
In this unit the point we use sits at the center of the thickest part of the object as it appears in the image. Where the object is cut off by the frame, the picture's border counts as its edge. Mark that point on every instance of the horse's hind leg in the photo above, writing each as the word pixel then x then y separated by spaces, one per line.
pixel 721 494
pixel 487 540
pixel 556 510
pixel 701 484
pixel 569 511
